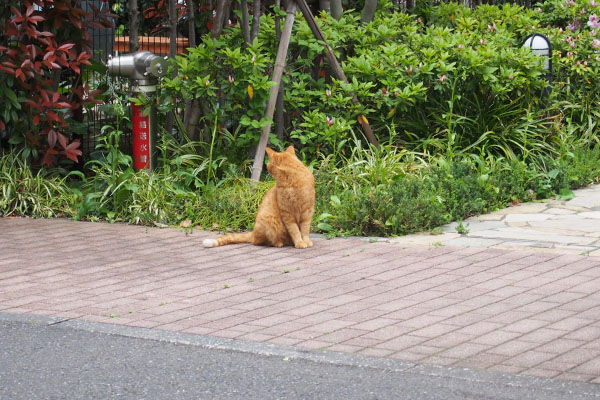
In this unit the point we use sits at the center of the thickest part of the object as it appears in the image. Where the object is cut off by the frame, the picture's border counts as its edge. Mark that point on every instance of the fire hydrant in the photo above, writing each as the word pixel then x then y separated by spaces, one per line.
pixel 142 68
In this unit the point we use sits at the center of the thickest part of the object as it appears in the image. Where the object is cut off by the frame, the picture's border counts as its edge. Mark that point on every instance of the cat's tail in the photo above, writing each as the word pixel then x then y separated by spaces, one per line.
pixel 228 239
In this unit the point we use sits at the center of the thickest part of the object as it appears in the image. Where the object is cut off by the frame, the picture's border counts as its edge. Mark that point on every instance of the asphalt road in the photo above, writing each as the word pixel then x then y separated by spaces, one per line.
pixel 52 359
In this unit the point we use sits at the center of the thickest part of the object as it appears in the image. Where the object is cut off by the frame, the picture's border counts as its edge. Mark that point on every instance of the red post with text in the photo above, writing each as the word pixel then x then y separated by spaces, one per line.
pixel 141 138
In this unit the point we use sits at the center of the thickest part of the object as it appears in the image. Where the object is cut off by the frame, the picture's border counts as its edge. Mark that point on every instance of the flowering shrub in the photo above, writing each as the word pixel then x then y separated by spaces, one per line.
pixel 573 27
pixel 41 40
pixel 448 79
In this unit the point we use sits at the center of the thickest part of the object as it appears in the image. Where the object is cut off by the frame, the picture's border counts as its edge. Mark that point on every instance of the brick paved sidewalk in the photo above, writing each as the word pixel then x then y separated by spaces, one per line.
pixel 500 310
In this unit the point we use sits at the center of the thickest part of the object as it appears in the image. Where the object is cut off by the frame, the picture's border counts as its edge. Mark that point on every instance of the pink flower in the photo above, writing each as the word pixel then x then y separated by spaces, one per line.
pixel 511 77
pixel 230 79
pixel 207 83
pixel 585 63
pixel 460 46
pixel 328 93
pixel 595 43
pixel 574 25
pixel 491 27
pixel 593 22
pixel 443 78
pixel 593 3
pixel 329 121
pixel 482 42
pixel 408 70
pixel 253 59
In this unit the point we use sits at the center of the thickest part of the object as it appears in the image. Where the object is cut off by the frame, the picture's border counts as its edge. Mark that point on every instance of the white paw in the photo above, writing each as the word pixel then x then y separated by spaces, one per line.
pixel 210 243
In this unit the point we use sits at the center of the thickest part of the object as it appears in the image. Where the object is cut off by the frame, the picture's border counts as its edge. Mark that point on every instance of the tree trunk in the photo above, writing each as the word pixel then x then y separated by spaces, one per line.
pixel 325 5
pixel 172 52
pixel 191 127
pixel 134 24
pixel 220 18
pixel 336 9
pixel 191 12
pixel 172 29
pixel 277 72
pixel 255 20
pixel 368 11
pixel 245 21
pixel 335 66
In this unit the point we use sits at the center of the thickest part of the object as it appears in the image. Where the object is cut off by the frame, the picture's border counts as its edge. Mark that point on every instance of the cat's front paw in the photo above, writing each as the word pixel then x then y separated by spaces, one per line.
pixel 301 244
pixel 309 243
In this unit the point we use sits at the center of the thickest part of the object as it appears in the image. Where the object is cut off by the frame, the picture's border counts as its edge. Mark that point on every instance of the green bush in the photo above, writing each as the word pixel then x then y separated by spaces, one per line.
pixel 444 86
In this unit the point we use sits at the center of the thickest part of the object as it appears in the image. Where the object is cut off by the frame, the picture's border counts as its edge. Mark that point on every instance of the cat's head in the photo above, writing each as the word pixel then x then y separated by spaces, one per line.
pixel 279 161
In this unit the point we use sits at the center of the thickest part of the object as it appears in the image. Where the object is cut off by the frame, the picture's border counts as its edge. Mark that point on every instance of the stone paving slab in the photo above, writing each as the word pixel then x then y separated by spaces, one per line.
pixel 502 310
pixel 566 227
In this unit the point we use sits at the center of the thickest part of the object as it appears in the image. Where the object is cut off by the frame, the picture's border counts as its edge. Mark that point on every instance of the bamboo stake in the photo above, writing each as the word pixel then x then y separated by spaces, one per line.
pixel 335 66
pixel 259 158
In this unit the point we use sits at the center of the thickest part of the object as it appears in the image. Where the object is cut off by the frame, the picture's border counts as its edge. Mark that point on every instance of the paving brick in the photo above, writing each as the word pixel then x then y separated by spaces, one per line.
pixel 448 340
pixel 401 342
pixel 529 359
pixel 560 346
pixel 480 328
pixel 374 324
pixel 434 331
pixel 496 309
pixel 376 352
pixel 587 333
pixel 495 338
pixel 591 367
pixel 542 373
pixel 577 356
pixel 542 335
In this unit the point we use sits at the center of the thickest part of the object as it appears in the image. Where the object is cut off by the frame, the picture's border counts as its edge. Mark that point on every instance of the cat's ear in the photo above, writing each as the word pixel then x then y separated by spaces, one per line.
pixel 270 152
pixel 290 150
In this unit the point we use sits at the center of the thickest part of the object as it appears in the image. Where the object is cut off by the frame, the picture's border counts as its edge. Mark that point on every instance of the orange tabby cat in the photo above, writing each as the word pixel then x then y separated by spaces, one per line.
pixel 285 212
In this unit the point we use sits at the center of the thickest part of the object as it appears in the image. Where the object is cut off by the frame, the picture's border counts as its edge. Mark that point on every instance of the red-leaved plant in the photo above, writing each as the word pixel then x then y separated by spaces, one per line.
pixel 43 48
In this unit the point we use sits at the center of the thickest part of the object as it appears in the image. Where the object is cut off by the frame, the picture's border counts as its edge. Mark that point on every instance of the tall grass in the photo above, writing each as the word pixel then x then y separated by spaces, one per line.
pixel 35 193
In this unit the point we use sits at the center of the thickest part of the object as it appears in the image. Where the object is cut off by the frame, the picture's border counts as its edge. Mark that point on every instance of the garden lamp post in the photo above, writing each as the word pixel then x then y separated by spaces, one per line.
pixel 142 68
pixel 541 46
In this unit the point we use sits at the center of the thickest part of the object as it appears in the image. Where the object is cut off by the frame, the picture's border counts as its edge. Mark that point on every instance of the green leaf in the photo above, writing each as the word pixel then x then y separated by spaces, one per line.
pixel 132 187
pixel 324 226
pixel 324 216
pixel 565 194
pixel 335 200
pixel 553 174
